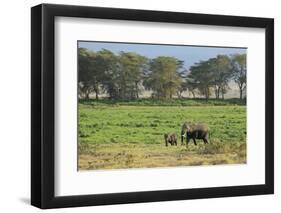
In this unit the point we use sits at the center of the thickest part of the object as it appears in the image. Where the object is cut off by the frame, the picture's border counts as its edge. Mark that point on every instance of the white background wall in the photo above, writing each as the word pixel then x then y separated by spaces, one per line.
pixel 15 105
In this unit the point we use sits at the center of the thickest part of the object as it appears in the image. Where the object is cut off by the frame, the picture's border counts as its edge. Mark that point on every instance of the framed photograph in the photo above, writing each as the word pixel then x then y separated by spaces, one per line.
pixel 139 106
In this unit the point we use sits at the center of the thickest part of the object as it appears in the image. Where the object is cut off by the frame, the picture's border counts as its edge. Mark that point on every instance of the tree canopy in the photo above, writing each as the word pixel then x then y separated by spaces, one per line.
pixel 163 77
pixel 124 76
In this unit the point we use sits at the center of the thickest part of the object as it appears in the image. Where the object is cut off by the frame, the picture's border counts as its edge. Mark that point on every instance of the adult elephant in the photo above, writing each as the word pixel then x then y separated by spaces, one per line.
pixel 194 131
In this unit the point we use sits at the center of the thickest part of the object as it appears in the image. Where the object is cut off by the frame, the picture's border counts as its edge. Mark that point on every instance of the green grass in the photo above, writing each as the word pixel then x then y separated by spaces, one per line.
pixel 114 135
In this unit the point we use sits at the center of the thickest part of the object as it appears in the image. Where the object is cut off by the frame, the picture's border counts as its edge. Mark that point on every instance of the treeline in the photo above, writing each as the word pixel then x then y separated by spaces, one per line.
pixel 123 76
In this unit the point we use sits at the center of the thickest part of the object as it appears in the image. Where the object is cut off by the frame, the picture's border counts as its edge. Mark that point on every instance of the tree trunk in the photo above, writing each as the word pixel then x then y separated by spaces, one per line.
pixel 87 95
pixel 97 92
pixel 193 93
pixel 179 94
pixel 217 92
pixel 207 93
pixel 241 90
pixel 137 90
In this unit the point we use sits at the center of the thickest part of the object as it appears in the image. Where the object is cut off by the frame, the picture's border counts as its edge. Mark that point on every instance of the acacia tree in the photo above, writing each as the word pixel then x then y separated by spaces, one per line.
pixel 221 71
pixel 95 68
pixel 99 67
pixel 191 86
pixel 85 81
pixel 107 63
pixel 183 84
pixel 182 87
pixel 118 75
pixel 239 71
pixel 131 71
pixel 201 76
pixel 164 78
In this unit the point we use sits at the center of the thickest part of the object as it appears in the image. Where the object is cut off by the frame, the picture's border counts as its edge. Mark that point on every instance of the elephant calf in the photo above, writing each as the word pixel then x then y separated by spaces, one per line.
pixel 170 138
pixel 195 131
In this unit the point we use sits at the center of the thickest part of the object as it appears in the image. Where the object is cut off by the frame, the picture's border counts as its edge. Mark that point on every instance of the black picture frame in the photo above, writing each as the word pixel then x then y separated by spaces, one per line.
pixel 43 102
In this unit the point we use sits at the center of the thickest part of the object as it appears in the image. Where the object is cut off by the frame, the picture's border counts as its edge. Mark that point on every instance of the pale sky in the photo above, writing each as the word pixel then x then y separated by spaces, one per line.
pixel 188 54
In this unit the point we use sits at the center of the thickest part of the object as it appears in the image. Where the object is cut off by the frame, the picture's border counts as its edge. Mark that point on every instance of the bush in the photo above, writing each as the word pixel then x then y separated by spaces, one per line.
pixel 166 102
pixel 211 149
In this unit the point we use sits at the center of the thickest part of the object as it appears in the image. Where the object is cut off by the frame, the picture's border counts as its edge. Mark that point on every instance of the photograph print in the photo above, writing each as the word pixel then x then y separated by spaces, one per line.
pixel 160 105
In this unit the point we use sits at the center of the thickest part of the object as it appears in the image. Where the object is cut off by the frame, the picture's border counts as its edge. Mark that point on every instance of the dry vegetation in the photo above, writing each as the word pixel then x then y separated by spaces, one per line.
pixel 114 156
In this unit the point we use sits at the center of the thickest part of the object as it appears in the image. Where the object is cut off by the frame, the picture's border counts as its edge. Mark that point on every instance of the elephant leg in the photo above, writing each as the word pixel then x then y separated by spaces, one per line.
pixel 187 140
pixel 194 141
pixel 205 140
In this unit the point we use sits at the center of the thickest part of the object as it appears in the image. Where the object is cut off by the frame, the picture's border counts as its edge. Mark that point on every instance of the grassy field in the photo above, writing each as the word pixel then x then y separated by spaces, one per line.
pixel 115 135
